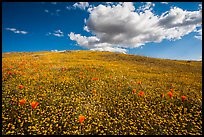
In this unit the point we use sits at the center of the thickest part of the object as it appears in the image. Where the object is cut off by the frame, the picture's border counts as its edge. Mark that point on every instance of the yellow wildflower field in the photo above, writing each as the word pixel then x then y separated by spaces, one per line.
pixel 99 93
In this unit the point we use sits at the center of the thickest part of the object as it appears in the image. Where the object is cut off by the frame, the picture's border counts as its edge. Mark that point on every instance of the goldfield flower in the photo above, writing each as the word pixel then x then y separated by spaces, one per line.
pixel 94 91
pixel 162 95
pixel 171 90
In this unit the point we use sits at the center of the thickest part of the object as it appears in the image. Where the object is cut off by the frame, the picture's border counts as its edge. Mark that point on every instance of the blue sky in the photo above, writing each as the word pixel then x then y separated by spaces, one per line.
pixel 133 28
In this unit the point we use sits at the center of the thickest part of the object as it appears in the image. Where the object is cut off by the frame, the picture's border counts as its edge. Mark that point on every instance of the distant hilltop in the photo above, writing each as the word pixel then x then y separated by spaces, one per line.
pixel 63 50
pixel 66 51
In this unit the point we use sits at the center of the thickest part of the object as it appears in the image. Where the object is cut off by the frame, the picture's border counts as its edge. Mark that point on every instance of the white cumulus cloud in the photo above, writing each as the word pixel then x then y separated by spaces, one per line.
pixel 81 5
pixel 109 2
pixel 147 6
pixel 14 30
pixel 111 49
pixel 200 6
pixel 69 7
pixel 88 42
pixel 47 11
pixel 55 50
pixel 55 12
pixel 164 2
pixel 118 27
pixel 199 36
pixel 57 33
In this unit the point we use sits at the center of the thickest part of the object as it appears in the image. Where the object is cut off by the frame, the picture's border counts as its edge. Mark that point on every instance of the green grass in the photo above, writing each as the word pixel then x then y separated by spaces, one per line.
pixel 62 84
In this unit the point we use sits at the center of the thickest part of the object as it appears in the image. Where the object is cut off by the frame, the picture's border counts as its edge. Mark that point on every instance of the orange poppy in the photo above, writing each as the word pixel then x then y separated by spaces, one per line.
pixel 110 76
pixel 94 78
pixel 63 69
pixel 139 82
pixel 183 98
pixel 80 73
pixel 9 72
pixel 40 87
pixel 22 101
pixel 20 86
pixel 133 91
pixel 34 104
pixel 119 85
pixel 170 94
pixel 11 67
pixel 81 118
pixel 141 93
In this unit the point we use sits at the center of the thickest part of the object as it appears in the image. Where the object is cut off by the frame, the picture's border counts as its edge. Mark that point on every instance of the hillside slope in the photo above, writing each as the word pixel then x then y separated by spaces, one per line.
pixel 116 93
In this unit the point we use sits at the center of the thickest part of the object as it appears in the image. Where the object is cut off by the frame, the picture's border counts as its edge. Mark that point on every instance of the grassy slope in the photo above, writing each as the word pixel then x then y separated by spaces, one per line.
pixel 67 91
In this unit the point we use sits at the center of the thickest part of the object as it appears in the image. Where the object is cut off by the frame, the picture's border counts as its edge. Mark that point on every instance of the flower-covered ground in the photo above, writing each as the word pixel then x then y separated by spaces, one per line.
pixel 86 92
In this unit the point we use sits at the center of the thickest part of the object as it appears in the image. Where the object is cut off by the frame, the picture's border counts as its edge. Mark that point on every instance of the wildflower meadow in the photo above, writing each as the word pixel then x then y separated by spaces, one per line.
pixel 99 93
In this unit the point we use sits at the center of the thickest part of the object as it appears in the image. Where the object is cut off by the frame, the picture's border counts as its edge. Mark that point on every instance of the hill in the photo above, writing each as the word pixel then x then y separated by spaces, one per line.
pixel 89 92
